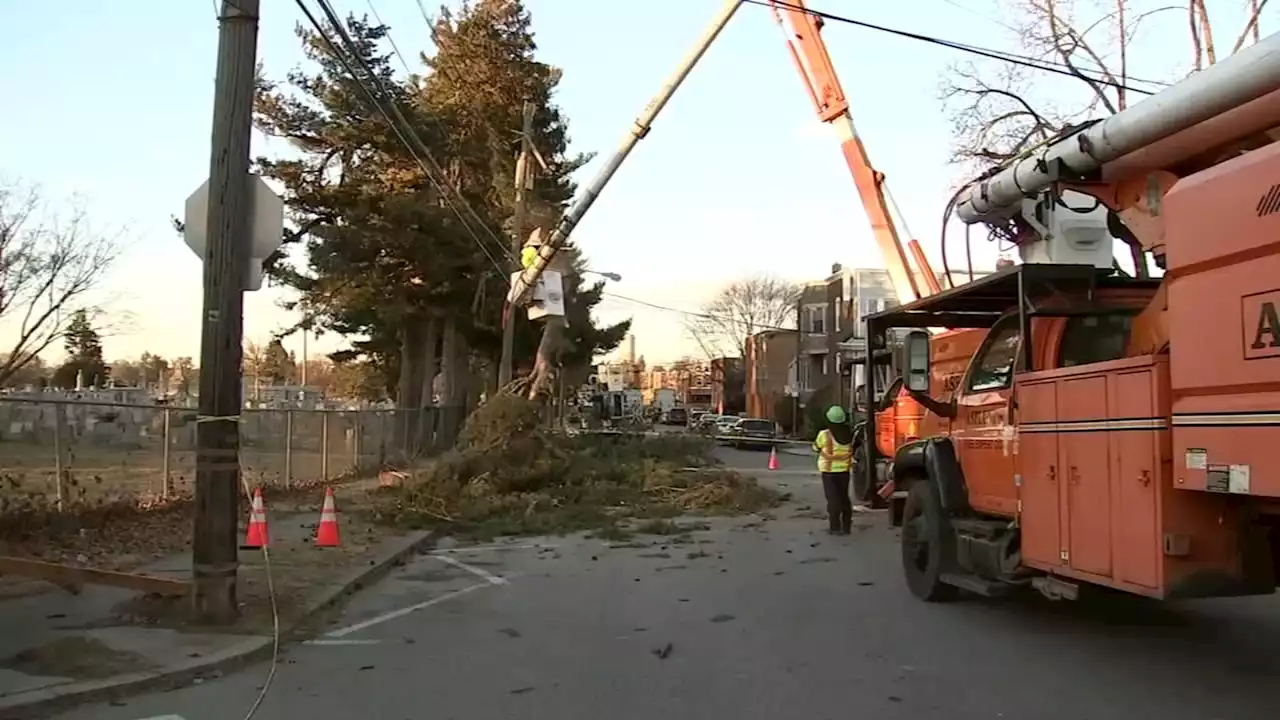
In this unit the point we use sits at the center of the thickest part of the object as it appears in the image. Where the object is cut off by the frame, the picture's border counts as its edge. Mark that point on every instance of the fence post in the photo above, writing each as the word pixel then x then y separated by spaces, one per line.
pixel 59 452
pixel 165 437
pixel 357 444
pixel 324 446
pixel 288 449
pixel 382 439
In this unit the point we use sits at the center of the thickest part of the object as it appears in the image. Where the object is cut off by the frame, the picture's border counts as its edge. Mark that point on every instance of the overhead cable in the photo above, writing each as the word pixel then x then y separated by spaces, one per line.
pixel 396 120
pixel 410 137
pixel 1012 58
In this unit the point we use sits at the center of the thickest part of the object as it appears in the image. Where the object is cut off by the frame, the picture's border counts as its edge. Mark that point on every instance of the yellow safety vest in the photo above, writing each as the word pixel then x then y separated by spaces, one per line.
pixel 832 456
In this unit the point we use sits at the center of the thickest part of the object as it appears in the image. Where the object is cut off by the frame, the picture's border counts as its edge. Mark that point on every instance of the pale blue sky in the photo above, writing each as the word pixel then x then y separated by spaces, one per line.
pixel 737 177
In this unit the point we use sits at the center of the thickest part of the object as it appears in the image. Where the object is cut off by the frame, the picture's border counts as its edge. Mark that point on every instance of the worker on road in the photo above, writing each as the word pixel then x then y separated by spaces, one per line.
pixel 834 446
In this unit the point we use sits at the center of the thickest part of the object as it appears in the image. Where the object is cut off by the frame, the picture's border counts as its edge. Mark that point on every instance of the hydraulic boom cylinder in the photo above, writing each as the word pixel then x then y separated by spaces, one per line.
pixel 1245 76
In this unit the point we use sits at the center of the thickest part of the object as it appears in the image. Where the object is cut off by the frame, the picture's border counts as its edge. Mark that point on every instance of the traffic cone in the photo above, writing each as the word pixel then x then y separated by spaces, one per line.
pixel 773 458
pixel 256 536
pixel 327 533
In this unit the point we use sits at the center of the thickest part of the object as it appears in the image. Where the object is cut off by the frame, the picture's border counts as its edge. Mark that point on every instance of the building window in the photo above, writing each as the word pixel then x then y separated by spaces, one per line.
pixel 815 319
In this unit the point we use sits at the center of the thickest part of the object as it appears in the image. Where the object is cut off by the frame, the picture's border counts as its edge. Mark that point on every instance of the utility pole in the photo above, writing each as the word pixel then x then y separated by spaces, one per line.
pixel 217 506
pixel 517 241
pixel 795 401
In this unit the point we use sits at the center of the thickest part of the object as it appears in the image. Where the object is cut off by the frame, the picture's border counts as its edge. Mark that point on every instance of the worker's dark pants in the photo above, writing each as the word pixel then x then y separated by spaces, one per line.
pixel 835 485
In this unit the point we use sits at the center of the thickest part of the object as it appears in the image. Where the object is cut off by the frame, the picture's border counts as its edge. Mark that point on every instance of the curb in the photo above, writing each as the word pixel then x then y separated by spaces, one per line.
pixel 46 701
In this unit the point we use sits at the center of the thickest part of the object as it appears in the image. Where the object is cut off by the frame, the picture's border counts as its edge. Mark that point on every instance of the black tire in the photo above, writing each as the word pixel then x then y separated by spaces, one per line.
pixel 861 490
pixel 864 490
pixel 928 544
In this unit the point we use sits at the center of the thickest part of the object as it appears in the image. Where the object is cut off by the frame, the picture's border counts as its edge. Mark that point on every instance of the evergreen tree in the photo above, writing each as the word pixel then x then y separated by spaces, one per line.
pixel 277 364
pixel 483 72
pixel 388 247
pixel 84 355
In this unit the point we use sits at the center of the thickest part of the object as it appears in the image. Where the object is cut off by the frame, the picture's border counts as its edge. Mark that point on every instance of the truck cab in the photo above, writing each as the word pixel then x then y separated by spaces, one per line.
pixel 1048 460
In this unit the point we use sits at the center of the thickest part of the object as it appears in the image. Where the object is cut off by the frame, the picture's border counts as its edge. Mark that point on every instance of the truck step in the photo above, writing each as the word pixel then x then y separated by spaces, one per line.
pixel 977 585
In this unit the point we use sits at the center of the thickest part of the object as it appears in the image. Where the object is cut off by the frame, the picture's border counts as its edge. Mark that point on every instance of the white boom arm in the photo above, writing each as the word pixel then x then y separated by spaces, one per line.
pixel 1245 76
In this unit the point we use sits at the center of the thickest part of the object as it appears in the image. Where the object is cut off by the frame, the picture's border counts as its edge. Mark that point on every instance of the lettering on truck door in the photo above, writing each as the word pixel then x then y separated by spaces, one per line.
pixel 983 429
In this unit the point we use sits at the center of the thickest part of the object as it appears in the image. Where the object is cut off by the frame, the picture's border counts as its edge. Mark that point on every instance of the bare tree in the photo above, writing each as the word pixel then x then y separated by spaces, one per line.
pixel 741 309
pixel 1002 110
pixel 51 264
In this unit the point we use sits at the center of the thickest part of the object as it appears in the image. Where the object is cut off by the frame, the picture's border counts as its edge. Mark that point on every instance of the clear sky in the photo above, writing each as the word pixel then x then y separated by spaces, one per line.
pixel 738 176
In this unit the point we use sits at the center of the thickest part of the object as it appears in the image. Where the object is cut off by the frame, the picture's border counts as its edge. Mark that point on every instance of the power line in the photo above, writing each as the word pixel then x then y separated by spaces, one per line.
pixel 1012 58
pixel 421 147
pixel 702 315
pixel 429 167
pixel 435 121
pixel 385 28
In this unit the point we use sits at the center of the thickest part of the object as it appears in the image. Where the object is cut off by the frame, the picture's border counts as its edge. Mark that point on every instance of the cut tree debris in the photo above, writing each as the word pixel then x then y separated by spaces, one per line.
pixel 510 475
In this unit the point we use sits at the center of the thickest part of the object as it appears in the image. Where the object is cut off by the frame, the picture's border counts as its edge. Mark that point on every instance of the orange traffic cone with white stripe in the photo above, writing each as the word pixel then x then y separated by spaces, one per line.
pixel 773 458
pixel 327 533
pixel 256 536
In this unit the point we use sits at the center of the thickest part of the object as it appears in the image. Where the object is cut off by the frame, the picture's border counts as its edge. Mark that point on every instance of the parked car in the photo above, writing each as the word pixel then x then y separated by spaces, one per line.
pixel 706 424
pixel 676 416
pixel 724 427
pixel 754 432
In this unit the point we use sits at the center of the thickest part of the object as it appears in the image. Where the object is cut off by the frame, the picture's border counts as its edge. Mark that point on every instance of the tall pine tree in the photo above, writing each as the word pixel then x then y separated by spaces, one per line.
pixel 484 70
pixel 388 251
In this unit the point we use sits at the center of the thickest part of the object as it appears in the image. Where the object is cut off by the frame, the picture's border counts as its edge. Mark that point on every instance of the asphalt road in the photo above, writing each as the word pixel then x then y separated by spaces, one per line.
pixel 750 620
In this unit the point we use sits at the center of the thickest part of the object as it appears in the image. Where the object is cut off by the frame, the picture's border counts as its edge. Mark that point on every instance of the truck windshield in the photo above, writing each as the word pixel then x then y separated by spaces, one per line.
pixel 994 370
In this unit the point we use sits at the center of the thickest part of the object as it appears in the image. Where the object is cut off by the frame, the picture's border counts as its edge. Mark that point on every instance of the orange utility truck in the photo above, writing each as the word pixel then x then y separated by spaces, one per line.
pixel 1111 429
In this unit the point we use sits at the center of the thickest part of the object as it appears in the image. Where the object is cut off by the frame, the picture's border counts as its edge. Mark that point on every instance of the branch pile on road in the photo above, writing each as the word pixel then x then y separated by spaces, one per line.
pixel 509 475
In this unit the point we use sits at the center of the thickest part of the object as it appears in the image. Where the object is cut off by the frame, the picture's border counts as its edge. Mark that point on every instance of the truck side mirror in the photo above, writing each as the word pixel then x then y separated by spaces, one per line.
pixel 916 352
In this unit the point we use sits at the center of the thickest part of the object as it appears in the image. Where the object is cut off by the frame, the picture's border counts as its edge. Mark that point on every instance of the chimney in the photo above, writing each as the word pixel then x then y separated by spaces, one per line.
pixel 836 268
pixel 631 348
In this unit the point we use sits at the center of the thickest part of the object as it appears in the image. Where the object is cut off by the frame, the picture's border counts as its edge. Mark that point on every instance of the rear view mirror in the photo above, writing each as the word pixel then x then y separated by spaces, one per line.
pixel 916 361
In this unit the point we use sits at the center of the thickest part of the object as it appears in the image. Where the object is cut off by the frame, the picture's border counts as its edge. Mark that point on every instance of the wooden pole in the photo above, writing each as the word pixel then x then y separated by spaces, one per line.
pixel 505 370
pixel 217 504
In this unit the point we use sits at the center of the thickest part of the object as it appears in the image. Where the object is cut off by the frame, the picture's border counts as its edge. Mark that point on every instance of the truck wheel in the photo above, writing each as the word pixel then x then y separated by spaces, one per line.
pixel 861 491
pixel 927 543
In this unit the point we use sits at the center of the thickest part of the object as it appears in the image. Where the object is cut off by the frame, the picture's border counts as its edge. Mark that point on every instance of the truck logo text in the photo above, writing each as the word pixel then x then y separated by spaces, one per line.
pixel 1261 324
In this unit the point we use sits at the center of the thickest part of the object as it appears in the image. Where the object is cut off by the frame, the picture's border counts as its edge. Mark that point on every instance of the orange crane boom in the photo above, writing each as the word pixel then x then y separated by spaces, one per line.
pixel 804 36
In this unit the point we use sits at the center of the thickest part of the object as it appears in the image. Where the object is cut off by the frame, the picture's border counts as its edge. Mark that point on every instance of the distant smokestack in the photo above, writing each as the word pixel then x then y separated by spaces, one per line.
pixel 631 348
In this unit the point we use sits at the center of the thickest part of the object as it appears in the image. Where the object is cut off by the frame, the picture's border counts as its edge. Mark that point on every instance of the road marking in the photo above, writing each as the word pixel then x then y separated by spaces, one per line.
pixel 477 571
pixel 487 548
pixel 164 717
pixel 342 632
pixel 323 641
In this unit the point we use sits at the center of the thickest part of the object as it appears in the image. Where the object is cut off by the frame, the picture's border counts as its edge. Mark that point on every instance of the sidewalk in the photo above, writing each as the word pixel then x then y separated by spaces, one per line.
pixel 58 649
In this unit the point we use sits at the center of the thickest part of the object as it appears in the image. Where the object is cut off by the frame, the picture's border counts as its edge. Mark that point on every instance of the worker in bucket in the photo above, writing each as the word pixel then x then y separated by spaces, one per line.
pixel 834 446
pixel 529 253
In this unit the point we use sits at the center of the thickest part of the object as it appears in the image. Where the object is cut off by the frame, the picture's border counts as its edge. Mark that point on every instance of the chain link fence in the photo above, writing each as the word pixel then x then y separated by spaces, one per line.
pixel 72 450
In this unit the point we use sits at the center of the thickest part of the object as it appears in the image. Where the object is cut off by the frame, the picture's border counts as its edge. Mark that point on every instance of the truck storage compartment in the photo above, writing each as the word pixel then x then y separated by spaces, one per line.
pixel 1095 496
